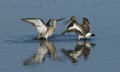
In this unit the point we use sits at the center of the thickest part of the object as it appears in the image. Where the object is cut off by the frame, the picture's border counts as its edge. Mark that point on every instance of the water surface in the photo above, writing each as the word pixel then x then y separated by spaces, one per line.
pixel 20 52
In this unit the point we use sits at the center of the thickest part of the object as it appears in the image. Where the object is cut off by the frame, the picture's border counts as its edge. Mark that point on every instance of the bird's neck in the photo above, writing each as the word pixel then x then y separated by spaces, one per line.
pixel 54 24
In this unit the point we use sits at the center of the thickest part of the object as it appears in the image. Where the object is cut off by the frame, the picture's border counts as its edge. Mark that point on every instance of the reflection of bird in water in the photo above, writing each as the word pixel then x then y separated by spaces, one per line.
pixel 46 48
pixel 81 49
pixel 82 30
pixel 45 30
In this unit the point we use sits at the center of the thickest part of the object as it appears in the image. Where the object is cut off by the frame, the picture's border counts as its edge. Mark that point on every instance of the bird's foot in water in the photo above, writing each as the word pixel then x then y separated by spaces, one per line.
pixel 62 33
pixel 39 38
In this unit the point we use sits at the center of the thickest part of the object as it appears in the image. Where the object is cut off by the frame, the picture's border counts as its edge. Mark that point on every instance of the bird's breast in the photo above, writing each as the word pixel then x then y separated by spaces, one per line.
pixel 41 29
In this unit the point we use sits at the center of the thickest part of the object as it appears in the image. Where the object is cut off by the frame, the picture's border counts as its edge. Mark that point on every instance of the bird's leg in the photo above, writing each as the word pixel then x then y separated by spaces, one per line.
pixel 75 32
pixel 64 32
pixel 46 37
pixel 39 36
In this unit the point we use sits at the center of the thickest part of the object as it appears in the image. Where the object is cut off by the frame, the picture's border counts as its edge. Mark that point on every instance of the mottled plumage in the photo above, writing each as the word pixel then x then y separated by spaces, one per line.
pixel 45 30
pixel 82 30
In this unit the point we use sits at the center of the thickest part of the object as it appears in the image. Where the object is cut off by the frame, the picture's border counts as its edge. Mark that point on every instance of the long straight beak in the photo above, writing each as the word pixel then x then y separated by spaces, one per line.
pixel 66 22
pixel 60 19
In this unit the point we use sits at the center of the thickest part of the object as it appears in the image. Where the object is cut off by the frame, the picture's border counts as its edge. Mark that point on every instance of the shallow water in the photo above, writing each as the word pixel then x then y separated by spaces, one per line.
pixel 20 52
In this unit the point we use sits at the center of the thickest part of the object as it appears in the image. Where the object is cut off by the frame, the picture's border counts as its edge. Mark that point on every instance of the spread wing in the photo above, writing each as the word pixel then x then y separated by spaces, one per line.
pixel 38 23
pixel 85 24
pixel 34 21
pixel 48 23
